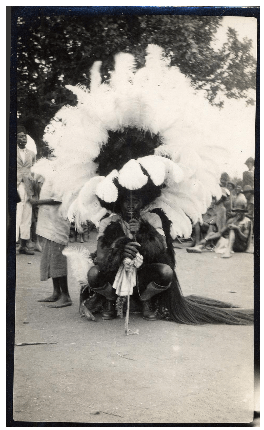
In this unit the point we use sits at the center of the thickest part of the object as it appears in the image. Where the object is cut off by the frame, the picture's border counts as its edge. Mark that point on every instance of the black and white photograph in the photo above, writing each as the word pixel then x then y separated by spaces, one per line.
pixel 132 231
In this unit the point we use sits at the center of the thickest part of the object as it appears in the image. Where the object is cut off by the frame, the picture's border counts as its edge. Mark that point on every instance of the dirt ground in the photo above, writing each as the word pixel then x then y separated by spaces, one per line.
pixel 91 372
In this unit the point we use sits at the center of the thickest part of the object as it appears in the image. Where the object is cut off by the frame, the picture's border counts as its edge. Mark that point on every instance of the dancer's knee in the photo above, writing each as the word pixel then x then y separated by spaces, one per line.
pixel 93 275
pixel 165 274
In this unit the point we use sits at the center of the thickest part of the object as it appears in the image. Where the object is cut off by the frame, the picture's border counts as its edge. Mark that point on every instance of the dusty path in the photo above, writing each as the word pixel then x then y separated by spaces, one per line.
pixel 90 372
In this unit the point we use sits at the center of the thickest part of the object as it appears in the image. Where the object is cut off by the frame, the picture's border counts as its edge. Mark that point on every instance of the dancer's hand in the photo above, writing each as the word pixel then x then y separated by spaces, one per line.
pixel 131 250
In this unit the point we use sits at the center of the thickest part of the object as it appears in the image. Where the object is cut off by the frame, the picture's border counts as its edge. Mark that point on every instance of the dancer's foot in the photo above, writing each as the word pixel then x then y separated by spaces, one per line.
pixel 109 312
pixel 52 298
pixel 62 302
pixel 148 313
pixel 86 313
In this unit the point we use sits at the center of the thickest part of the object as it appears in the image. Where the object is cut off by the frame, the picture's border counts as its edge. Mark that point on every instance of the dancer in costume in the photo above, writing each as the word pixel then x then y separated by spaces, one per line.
pixel 143 157
pixel 128 235
pixel 136 229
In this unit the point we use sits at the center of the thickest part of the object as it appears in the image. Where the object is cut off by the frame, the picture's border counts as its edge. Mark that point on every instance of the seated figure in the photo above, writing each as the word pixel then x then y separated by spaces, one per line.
pixel 249 194
pixel 213 221
pixel 237 231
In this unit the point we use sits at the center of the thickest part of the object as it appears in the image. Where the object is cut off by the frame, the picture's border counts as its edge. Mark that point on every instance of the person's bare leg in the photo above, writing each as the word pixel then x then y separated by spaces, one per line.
pixel 231 241
pixel 64 299
pixel 197 248
pixel 197 234
pixel 56 292
pixel 38 247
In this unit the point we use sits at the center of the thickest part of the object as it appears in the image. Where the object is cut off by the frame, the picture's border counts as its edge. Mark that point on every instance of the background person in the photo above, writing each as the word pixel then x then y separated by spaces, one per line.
pixel 25 160
pixel 224 178
pixel 248 175
pixel 249 194
pixel 37 184
pixel 54 231
pixel 230 199
pixel 213 221
pixel 237 231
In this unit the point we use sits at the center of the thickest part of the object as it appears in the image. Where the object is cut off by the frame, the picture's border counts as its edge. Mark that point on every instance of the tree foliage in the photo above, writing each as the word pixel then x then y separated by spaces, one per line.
pixel 56 50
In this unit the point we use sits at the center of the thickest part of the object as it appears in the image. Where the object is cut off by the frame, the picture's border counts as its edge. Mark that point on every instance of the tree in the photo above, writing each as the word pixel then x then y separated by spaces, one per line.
pixel 234 72
pixel 56 50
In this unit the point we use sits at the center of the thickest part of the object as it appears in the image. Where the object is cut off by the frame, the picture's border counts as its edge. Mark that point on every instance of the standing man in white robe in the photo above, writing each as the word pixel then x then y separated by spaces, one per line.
pixel 25 160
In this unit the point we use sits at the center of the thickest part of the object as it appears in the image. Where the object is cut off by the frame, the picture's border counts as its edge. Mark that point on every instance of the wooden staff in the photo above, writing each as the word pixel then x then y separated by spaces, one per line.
pixel 127 330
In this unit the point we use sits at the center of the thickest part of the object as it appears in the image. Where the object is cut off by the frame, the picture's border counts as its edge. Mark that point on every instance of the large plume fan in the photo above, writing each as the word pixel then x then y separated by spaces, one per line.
pixel 148 121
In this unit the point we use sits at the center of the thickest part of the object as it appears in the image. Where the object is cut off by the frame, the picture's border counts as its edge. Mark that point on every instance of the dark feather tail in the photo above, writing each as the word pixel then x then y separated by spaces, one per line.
pixel 209 302
pixel 198 310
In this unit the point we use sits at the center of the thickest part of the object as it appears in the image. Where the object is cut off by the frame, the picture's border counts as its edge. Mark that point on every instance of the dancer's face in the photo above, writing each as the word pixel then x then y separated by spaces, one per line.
pixel 131 206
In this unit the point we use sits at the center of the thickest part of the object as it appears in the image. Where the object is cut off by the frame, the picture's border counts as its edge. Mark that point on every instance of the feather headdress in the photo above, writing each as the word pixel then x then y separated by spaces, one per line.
pixel 143 128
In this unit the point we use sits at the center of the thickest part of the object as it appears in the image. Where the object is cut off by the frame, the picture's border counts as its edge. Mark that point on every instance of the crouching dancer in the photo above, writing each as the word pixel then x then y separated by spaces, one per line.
pixel 134 235
pixel 130 235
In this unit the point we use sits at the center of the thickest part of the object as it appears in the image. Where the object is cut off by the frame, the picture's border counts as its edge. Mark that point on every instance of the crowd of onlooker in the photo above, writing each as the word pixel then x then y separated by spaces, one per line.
pixel 81 236
pixel 228 224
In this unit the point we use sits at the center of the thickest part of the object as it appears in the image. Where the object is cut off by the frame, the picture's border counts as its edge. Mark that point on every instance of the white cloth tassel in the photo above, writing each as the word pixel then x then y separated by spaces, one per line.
pixel 126 277
pixel 125 281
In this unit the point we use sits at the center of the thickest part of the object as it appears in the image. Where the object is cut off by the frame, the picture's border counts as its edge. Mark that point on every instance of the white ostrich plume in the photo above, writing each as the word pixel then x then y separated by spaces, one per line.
pixel 86 206
pixel 44 167
pixel 95 76
pixel 122 76
pixel 80 262
pixel 80 91
pixel 31 144
pixel 106 189
pixel 131 176
pixel 155 167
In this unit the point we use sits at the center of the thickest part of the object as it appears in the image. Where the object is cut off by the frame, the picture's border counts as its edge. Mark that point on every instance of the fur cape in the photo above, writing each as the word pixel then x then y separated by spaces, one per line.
pixel 184 310
pixel 153 247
